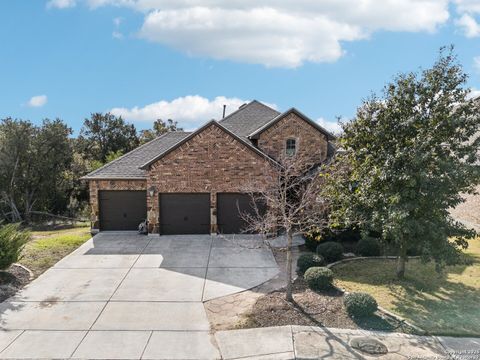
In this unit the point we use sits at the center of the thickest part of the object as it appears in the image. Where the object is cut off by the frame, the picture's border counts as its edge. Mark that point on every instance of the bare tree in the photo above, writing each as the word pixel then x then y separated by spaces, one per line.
pixel 289 203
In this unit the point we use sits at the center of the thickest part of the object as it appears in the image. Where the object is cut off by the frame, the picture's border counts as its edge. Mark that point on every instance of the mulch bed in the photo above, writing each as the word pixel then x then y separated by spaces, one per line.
pixel 12 280
pixel 313 309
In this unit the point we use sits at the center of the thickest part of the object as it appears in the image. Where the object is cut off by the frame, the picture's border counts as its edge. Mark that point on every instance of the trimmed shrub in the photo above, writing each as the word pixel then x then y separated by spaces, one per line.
pixel 306 261
pixel 359 304
pixel 319 278
pixel 12 241
pixel 330 251
pixel 369 246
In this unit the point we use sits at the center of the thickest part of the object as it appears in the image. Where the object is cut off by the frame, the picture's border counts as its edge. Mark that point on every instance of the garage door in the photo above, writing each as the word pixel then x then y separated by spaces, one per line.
pixel 122 210
pixel 184 213
pixel 229 208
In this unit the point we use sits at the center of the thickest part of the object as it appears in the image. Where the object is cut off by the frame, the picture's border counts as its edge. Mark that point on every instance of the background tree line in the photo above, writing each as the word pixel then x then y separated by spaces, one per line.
pixel 41 165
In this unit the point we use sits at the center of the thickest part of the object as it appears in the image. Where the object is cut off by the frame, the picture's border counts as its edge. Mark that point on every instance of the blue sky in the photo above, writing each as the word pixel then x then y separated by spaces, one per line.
pixel 147 59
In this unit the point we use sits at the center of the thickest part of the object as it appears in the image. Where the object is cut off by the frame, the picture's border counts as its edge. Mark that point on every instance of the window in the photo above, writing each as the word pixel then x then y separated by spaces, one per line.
pixel 291 147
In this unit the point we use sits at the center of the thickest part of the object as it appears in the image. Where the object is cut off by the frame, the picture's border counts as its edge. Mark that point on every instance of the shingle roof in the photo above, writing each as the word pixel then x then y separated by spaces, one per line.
pixel 248 118
pixel 127 166
pixel 245 142
pixel 254 134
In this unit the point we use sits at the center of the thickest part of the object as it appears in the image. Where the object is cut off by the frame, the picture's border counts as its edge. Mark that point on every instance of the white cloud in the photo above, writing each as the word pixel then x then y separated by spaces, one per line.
pixel 468 6
pixel 37 101
pixel 282 33
pixel 61 4
pixel 189 111
pixel 468 25
pixel 332 126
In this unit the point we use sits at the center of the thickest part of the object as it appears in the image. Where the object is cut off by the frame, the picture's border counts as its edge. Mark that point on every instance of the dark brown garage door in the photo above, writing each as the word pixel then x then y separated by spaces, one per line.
pixel 184 213
pixel 122 210
pixel 229 208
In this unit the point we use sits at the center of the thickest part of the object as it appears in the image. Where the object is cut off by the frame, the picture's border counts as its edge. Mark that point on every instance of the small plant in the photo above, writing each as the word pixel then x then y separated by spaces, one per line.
pixel 12 241
pixel 330 251
pixel 319 278
pixel 359 304
pixel 306 261
pixel 368 246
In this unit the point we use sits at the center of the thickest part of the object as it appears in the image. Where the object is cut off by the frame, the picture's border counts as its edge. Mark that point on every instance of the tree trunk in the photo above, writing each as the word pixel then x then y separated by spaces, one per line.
pixel 289 295
pixel 402 259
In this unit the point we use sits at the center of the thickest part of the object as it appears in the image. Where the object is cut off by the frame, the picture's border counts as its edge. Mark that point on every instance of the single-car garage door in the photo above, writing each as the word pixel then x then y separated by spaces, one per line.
pixel 230 206
pixel 184 213
pixel 122 210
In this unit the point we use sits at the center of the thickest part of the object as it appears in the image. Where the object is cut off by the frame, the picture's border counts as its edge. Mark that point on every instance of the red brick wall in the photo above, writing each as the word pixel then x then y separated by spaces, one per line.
pixel 311 144
pixel 96 185
pixel 212 161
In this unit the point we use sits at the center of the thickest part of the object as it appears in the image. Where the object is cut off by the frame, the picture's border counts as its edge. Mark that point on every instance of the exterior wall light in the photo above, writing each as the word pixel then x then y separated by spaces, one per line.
pixel 151 191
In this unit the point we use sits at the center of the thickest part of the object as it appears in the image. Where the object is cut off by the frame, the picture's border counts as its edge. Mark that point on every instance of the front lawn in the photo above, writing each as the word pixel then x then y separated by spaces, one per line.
pixel 49 246
pixel 442 304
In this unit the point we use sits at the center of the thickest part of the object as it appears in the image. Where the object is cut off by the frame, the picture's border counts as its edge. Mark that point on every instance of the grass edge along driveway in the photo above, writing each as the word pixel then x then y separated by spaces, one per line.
pixel 48 247
pixel 442 304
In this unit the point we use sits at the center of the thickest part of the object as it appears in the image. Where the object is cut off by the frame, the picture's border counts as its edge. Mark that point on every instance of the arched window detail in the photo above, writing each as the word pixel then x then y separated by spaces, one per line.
pixel 290 147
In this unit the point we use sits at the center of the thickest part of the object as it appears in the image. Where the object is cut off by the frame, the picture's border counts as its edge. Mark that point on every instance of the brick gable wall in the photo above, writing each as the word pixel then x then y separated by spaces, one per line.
pixel 311 144
pixel 212 161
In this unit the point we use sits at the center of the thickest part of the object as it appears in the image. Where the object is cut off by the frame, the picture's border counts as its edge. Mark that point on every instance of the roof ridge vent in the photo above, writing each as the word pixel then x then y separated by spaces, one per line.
pixel 243 105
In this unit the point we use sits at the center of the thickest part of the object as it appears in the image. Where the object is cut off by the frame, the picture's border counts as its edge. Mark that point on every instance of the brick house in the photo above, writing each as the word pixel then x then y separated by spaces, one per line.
pixel 191 182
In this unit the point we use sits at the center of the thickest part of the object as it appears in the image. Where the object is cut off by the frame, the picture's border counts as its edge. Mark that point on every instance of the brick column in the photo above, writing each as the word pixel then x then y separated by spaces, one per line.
pixel 213 212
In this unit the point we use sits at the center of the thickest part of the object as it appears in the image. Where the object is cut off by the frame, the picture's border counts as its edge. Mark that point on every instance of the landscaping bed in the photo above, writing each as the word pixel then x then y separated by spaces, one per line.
pixel 13 279
pixel 314 309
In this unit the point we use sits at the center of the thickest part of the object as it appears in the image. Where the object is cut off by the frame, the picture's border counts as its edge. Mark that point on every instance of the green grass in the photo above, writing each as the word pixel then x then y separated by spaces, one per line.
pixel 446 303
pixel 48 247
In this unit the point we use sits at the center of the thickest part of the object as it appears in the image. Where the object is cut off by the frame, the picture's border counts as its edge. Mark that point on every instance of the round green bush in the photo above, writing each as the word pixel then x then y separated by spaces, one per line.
pixel 308 260
pixel 330 251
pixel 360 304
pixel 369 246
pixel 319 278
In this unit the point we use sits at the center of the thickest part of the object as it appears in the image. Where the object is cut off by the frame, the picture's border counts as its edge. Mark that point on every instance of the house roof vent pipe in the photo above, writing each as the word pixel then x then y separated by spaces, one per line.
pixel 224 108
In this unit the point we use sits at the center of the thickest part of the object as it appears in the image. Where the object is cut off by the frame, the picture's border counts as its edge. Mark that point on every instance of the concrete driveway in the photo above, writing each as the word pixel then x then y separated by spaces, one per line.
pixel 126 296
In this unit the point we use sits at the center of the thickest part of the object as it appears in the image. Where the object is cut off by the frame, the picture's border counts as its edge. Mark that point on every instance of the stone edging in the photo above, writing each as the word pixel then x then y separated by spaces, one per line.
pixel 383 310
pixel 30 272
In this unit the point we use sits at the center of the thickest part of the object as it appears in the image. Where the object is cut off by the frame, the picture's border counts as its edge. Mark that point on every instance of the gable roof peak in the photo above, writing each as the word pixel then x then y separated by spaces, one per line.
pixel 245 142
pixel 261 129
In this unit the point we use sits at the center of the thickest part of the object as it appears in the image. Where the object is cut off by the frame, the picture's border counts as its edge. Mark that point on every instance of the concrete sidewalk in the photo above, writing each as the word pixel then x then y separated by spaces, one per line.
pixel 307 342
